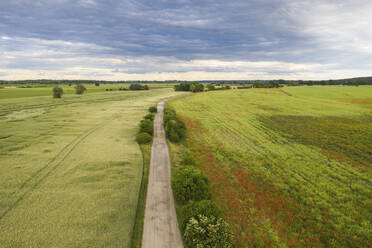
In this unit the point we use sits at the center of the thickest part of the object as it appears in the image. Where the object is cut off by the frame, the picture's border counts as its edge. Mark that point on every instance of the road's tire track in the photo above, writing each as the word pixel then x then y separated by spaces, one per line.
pixel 38 176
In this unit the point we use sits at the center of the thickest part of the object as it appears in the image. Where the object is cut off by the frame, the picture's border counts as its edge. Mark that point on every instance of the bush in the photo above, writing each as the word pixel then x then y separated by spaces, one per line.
pixel 80 89
pixel 96 84
pixel 150 117
pixel 211 87
pixel 197 87
pixel 146 126
pixel 138 87
pixel 187 159
pixel 143 138
pixel 153 109
pixel 175 129
pixel 193 209
pixel 191 184
pixel 183 87
pixel 57 92
pixel 207 232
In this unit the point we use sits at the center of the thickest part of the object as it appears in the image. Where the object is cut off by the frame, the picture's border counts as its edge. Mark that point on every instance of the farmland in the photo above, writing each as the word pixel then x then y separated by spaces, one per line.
pixel 289 167
pixel 46 90
pixel 70 168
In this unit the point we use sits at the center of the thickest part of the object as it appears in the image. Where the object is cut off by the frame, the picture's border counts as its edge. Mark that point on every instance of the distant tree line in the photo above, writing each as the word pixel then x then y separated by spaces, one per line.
pixel 193 87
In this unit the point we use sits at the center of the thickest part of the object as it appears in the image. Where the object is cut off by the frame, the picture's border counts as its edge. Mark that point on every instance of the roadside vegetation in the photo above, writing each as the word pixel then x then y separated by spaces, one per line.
pixel 145 141
pixel 288 167
pixel 200 220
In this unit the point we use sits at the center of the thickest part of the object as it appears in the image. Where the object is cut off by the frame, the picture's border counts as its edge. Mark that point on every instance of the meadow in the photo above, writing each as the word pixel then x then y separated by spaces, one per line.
pixel 289 167
pixel 70 168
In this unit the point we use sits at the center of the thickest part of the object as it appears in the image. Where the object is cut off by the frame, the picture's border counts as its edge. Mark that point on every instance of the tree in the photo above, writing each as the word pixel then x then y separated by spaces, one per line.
pixel 143 138
pixel 193 209
pixel 80 89
pixel 211 87
pixel 183 87
pixel 208 232
pixel 191 184
pixel 197 87
pixel 138 87
pixel 96 84
pixel 153 109
pixel 57 92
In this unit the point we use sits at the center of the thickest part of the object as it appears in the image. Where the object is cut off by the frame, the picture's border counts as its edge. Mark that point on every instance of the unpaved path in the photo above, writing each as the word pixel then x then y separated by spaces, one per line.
pixel 160 226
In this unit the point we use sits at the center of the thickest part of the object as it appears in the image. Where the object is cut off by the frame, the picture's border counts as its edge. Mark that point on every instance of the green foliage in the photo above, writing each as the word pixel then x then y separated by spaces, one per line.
pixel 211 87
pixel 96 83
pixel 153 109
pixel 80 89
pixel 194 87
pixel 174 128
pixel 146 126
pixel 197 87
pixel 183 87
pixel 138 87
pixel 193 209
pixel 190 183
pixel 57 92
pixel 270 84
pixel 143 138
pixel 207 232
pixel 187 158
pixel 149 117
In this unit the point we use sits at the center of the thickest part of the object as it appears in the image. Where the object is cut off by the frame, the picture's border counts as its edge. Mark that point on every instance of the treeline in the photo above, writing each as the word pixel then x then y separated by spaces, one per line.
pixel 193 87
pixel 70 82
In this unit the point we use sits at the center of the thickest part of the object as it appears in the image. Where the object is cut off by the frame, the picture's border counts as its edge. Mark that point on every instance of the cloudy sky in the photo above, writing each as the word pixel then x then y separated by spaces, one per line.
pixel 185 39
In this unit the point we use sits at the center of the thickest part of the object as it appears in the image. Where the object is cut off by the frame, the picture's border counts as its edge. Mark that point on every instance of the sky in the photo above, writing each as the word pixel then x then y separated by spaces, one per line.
pixel 185 39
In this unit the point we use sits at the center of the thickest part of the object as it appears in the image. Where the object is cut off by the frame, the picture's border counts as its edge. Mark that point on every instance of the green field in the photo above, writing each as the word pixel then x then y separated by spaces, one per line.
pixel 70 169
pixel 290 167
pixel 47 91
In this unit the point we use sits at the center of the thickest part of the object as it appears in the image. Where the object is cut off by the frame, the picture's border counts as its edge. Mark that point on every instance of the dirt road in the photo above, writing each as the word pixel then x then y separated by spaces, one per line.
pixel 160 227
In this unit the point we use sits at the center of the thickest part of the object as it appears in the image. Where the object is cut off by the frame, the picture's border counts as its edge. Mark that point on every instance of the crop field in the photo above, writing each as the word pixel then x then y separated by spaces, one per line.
pixel 47 91
pixel 70 169
pixel 289 167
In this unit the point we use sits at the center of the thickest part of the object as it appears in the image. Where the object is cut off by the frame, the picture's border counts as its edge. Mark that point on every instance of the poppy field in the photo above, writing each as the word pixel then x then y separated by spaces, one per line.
pixel 289 167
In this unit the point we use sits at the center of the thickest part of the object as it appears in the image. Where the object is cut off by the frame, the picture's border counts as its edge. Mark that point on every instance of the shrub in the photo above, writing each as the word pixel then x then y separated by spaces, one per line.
pixel 96 84
pixel 80 89
pixel 143 138
pixel 211 87
pixel 193 209
pixel 146 126
pixel 153 109
pixel 187 159
pixel 182 87
pixel 190 183
pixel 197 87
pixel 150 117
pixel 138 87
pixel 57 92
pixel 207 232
pixel 174 127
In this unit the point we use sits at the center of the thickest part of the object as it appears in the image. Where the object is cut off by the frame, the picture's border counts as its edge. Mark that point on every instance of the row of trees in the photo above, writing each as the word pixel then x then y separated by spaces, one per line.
pixel 193 87
pixel 146 126
pixel 201 219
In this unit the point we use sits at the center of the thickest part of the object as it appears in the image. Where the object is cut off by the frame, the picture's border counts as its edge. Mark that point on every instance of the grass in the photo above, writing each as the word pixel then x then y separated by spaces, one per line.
pixel 290 167
pixel 70 170
pixel 138 228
